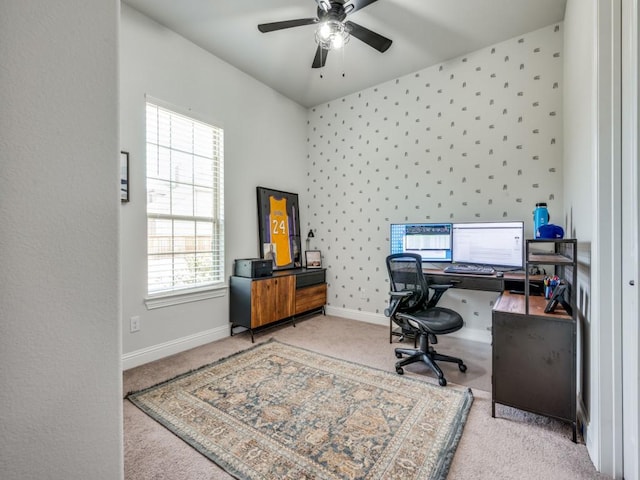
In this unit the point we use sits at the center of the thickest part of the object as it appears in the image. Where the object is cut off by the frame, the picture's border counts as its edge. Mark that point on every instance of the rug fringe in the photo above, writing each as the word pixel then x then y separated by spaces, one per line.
pixel 442 470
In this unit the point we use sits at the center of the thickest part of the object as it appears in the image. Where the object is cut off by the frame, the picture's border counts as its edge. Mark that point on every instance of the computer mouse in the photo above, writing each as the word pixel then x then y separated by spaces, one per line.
pixel 499 274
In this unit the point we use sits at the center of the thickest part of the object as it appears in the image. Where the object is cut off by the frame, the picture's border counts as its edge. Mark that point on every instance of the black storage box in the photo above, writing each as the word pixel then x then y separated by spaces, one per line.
pixel 253 267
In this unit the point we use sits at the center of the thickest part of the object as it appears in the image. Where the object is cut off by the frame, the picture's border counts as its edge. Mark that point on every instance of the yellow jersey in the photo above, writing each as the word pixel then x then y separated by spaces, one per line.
pixel 279 230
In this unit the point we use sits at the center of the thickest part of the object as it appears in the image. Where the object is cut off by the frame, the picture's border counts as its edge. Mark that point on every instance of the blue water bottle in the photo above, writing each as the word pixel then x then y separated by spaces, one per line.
pixel 540 217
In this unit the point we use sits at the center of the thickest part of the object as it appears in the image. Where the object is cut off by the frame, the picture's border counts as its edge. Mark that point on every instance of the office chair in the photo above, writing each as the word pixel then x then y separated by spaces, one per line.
pixel 411 308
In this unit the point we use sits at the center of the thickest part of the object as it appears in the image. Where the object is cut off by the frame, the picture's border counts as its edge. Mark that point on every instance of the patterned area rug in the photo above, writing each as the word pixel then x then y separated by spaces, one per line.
pixel 276 411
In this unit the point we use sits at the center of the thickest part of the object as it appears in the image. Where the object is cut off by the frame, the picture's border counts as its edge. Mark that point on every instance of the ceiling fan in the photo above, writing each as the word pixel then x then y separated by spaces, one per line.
pixel 333 31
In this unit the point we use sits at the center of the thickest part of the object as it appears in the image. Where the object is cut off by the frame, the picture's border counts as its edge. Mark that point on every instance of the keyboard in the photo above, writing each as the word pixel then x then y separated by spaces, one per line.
pixel 470 269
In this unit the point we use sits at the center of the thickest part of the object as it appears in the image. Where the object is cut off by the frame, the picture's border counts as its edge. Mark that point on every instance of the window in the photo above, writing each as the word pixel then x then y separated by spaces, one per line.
pixel 185 202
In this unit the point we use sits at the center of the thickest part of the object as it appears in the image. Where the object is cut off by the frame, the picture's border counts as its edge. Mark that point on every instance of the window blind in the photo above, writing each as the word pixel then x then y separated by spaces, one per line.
pixel 185 202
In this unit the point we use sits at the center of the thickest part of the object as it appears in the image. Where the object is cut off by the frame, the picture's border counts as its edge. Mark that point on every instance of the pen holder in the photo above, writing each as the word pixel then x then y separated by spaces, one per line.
pixel 550 284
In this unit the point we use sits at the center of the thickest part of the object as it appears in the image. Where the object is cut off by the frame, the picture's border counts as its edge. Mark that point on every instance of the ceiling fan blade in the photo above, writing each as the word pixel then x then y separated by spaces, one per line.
pixel 324 5
pixel 270 27
pixel 372 39
pixel 355 5
pixel 320 58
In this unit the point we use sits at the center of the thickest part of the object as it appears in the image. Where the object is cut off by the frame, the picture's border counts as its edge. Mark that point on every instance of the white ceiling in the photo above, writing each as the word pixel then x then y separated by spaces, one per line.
pixel 424 33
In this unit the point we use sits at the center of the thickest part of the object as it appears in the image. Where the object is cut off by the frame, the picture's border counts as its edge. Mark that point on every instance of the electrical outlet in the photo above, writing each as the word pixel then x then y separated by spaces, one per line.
pixel 134 325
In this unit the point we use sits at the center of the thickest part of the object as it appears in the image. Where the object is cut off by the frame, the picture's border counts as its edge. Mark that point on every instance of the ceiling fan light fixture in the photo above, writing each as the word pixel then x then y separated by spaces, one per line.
pixel 332 35
pixel 337 42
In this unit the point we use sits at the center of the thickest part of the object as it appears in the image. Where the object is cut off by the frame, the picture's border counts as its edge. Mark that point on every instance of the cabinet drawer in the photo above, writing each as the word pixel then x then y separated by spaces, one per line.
pixel 485 283
pixel 309 298
pixel 308 278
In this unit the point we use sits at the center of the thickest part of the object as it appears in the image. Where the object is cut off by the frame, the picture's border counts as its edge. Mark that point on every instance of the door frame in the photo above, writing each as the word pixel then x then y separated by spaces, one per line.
pixel 630 223
pixel 604 436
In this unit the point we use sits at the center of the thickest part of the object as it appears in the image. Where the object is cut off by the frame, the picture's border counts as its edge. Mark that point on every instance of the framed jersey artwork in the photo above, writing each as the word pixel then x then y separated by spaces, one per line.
pixel 279 228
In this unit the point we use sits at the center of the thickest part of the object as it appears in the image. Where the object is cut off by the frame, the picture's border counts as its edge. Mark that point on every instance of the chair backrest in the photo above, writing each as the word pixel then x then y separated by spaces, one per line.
pixel 405 274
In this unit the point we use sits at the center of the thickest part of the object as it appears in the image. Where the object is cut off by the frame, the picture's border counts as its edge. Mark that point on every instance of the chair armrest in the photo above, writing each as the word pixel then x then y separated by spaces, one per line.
pixel 396 300
pixel 438 291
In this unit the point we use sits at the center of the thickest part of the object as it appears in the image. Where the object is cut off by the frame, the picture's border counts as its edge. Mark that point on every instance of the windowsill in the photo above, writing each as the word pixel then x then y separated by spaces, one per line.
pixel 176 298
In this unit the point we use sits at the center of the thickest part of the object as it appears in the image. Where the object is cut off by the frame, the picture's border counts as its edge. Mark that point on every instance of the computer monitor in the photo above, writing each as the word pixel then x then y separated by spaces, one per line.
pixel 432 241
pixel 497 244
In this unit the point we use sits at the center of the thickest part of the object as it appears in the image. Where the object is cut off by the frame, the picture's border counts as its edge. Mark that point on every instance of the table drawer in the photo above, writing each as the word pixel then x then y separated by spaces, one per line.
pixel 309 298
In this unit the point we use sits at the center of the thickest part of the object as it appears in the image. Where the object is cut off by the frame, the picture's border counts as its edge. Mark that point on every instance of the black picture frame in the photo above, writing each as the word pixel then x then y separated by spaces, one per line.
pixel 124 177
pixel 313 259
pixel 279 228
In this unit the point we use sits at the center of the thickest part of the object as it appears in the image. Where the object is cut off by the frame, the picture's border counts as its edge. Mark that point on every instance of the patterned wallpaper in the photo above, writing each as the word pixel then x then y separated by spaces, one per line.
pixel 477 138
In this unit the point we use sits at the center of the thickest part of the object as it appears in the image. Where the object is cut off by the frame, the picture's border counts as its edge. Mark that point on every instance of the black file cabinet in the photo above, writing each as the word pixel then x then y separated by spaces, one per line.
pixel 534 352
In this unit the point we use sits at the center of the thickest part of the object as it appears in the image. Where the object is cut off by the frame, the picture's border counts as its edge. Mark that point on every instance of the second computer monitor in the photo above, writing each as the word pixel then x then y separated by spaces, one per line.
pixel 498 244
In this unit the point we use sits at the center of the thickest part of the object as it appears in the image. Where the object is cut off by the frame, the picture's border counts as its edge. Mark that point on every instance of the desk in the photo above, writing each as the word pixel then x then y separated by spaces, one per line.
pixel 533 352
pixel 484 283
pixel 468 281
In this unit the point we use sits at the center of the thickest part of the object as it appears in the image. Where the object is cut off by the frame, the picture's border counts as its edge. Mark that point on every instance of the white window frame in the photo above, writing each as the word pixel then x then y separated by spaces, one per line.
pixel 175 292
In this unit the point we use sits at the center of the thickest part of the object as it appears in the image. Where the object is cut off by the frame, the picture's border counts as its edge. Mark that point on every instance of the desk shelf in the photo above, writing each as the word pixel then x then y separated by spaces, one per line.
pixel 548 259
pixel 514 303
pixel 561 254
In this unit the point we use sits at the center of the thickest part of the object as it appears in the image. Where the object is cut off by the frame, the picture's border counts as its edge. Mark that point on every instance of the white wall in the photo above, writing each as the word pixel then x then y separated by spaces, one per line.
pixel 592 198
pixel 60 373
pixel 580 150
pixel 476 138
pixel 264 146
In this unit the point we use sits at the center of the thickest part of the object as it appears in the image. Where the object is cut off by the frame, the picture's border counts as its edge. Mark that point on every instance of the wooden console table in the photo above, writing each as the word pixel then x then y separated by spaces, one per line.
pixel 257 303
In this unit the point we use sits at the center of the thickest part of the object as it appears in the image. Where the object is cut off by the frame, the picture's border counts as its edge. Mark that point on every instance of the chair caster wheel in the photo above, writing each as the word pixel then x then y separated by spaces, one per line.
pixel 398 355
pixel 462 367
pixel 442 381
pixel 399 370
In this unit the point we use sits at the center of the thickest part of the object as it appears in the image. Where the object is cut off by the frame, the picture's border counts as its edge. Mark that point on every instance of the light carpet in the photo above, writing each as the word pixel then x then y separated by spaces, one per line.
pixel 276 411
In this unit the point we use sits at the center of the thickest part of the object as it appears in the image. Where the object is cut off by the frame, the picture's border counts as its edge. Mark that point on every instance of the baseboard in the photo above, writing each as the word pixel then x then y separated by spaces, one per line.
pixel 472 334
pixel 583 419
pixel 156 352
pixel 368 317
